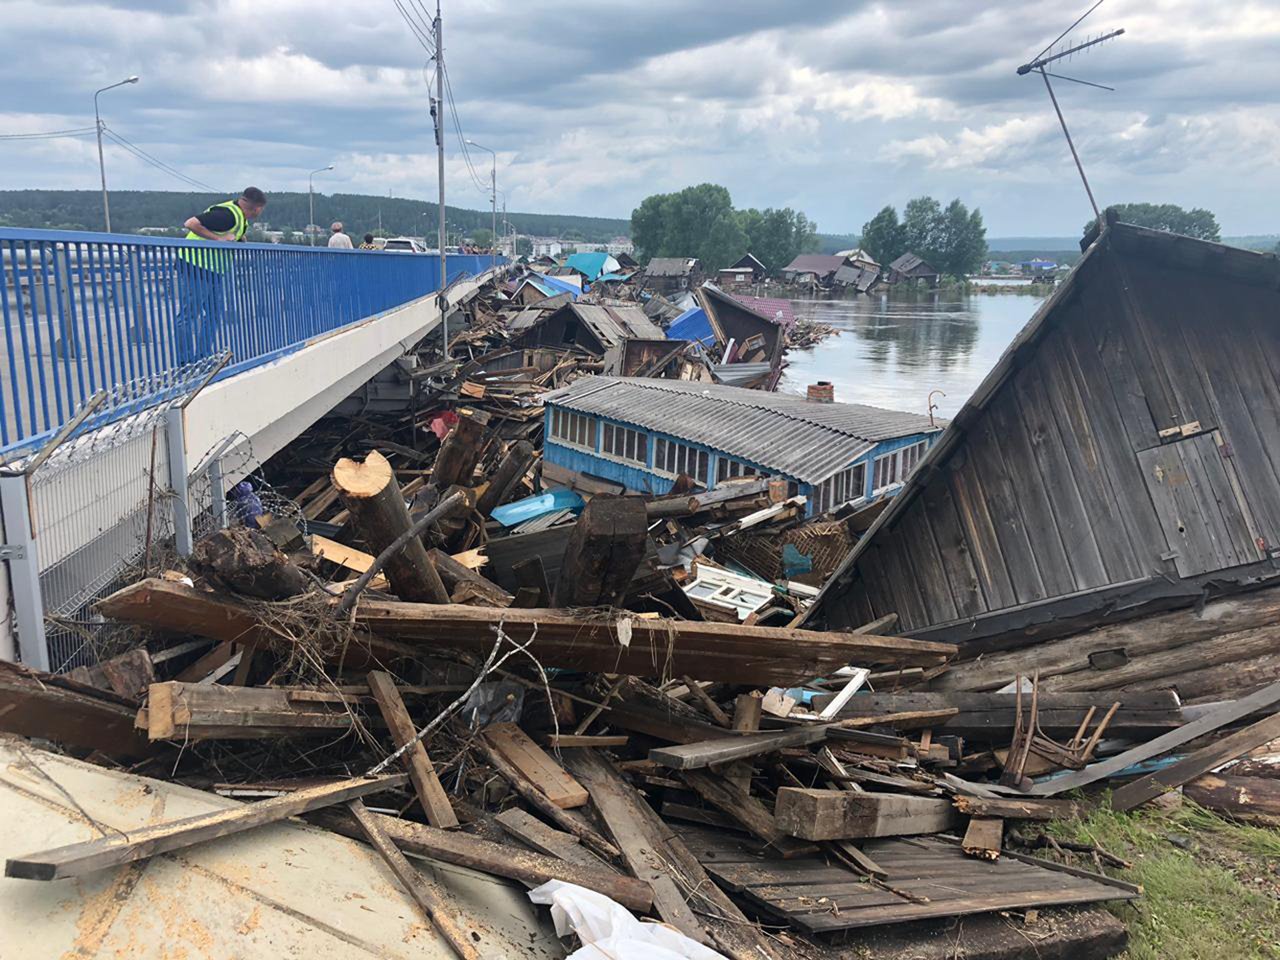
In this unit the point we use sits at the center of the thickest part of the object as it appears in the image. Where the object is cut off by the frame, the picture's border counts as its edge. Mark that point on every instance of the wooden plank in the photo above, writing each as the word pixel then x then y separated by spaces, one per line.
pixel 658 849
pixel 983 837
pixel 730 653
pixel 840 815
pixel 536 835
pixel 1263 699
pixel 535 765
pixel 505 860
pixel 908 718
pixel 79 859
pixel 695 756
pixel 703 698
pixel 923 556
pixel 940 514
pixel 207 711
pixel 36 704
pixel 422 773
pixel 980 534
pixel 559 740
pixel 1152 785
pixel 442 914
pixel 539 801
pixel 349 557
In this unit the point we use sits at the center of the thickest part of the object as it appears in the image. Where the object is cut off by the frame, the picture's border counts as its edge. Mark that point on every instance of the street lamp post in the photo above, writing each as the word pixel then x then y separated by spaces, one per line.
pixel 102 164
pixel 311 200
pixel 493 193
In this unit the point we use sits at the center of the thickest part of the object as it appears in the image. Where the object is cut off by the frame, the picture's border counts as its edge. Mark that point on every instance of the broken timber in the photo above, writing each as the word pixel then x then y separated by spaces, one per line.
pixel 704 753
pixel 535 765
pixel 209 711
pixel 78 859
pixel 603 552
pixel 435 803
pixel 711 651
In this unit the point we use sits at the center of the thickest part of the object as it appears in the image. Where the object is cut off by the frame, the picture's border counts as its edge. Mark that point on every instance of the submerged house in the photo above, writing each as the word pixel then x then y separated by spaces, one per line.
pixel 910 268
pixel 670 275
pixel 1123 456
pixel 813 268
pixel 641 434
pixel 743 273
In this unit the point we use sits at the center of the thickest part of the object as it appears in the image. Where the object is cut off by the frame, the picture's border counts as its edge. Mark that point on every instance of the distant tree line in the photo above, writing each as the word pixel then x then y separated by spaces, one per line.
pixel 701 222
pixel 133 209
pixel 952 239
pixel 1196 222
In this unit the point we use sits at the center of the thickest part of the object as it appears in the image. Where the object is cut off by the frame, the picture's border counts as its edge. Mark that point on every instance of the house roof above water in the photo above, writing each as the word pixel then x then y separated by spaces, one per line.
pixel 780 432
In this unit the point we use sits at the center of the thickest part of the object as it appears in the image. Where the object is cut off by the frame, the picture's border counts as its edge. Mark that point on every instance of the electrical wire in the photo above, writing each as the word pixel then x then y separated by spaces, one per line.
pixel 49 135
pixel 159 164
pixel 418 29
pixel 479 182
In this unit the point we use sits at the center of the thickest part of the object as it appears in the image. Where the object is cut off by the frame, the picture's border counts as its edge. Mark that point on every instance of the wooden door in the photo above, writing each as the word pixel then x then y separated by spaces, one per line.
pixel 1198 499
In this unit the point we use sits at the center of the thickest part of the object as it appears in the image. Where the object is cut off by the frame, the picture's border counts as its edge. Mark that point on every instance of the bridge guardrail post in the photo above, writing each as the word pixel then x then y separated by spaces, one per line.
pixel 19 550
pixel 176 442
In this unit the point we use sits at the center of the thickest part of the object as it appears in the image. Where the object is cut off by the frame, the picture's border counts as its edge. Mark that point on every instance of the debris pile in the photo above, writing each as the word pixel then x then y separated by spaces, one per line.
pixel 447 657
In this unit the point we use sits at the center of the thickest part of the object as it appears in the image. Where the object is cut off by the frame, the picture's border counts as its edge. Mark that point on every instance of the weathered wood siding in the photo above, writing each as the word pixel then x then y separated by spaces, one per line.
pixel 1136 437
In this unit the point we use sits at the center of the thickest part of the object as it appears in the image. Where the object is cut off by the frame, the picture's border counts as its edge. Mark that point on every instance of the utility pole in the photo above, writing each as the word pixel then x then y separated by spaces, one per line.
pixel 102 164
pixel 437 111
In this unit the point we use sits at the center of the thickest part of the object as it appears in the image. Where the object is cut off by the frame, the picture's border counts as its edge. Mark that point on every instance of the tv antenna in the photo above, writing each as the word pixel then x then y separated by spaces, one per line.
pixel 1043 59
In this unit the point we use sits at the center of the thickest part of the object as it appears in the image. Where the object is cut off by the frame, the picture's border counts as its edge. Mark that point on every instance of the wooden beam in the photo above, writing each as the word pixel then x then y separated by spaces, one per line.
pixel 531 575
pixel 349 557
pixel 209 711
pixel 372 494
pixel 454 573
pixel 730 653
pixel 1262 699
pixel 460 451
pixel 703 698
pixel 36 704
pixel 910 718
pixel 435 802
pixel 535 765
pixel 604 549
pixel 78 859
pixel 1254 800
pixel 441 913
pixel 560 740
pixel 501 859
pixel 1151 785
pixel 515 464
pixel 841 815
pixel 746 810
pixel 704 753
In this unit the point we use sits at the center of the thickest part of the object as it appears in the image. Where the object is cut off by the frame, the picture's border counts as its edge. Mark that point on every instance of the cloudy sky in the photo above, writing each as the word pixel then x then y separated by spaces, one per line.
pixel 835 108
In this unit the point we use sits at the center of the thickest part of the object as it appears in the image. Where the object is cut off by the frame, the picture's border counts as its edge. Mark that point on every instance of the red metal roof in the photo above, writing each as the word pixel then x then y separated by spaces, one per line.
pixel 769 307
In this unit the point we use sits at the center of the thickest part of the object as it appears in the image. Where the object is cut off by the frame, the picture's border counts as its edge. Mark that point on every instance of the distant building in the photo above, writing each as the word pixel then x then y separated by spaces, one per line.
pixel 620 245
pixel 910 268
pixel 641 434
pixel 546 246
pixel 672 274
pixel 817 269
pixel 746 271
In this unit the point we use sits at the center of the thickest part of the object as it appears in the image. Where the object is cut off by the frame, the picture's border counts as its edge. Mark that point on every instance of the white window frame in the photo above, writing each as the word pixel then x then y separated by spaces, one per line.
pixel 625 444
pixel 840 488
pixel 572 429
pixel 672 458
pixel 899 464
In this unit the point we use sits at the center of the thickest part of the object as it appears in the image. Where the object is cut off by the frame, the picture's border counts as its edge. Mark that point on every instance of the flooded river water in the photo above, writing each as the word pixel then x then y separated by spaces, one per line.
pixel 891 352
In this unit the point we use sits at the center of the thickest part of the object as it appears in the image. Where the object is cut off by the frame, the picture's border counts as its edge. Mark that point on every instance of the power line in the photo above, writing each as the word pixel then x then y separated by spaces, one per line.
pixel 48 135
pixel 462 141
pixel 159 164
pixel 419 30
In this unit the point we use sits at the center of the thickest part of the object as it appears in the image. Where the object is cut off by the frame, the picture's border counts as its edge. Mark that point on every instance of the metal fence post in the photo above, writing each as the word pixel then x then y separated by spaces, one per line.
pixel 176 444
pixel 217 493
pixel 19 550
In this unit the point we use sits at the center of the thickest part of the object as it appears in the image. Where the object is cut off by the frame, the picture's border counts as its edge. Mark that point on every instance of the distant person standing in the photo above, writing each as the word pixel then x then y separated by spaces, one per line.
pixel 202 272
pixel 368 243
pixel 339 240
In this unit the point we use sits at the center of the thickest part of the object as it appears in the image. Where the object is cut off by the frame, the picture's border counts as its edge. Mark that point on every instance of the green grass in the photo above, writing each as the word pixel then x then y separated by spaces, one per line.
pixel 1219 900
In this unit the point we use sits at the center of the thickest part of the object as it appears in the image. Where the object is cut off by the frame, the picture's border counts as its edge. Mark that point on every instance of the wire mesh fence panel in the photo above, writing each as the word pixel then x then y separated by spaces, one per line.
pixel 100 505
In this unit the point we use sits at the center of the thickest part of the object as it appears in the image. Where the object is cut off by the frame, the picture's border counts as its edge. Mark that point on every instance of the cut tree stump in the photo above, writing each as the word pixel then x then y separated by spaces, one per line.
pixel 377 507
pixel 249 563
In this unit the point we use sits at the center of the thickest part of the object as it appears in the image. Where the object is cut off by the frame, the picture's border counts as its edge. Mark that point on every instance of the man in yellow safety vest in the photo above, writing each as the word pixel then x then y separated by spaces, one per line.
pixel 202 271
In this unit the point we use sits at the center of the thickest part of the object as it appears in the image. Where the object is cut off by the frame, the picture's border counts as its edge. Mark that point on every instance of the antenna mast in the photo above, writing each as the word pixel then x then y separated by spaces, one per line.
pixel 1038 64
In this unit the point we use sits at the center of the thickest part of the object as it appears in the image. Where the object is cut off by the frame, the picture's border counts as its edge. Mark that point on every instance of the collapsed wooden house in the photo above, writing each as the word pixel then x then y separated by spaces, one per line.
pixel 912 268
pixel 1122 456
pixel 587 328
pixel 672 274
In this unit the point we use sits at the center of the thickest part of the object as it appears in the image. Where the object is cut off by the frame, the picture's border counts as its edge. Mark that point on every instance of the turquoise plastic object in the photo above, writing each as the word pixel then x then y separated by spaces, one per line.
pixel 514 514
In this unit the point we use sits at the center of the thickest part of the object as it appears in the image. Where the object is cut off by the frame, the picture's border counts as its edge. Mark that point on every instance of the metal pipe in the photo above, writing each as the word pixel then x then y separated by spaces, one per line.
pixel 438 111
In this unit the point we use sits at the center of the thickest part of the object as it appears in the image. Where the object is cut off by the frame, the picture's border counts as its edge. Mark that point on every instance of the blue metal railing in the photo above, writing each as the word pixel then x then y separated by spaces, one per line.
pixel 84 312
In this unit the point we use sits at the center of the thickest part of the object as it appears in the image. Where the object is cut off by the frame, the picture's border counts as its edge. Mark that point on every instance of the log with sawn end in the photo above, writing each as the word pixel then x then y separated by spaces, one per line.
pixel 377 506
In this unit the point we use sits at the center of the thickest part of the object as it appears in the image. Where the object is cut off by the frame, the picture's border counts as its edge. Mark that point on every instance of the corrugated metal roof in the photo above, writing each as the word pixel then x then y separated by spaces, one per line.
pixel 780 432
pixel 736 374
pixel 770 307
pixel 908 262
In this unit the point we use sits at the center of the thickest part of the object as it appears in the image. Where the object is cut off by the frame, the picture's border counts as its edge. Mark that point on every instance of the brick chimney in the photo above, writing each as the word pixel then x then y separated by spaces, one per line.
pixel 822 392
